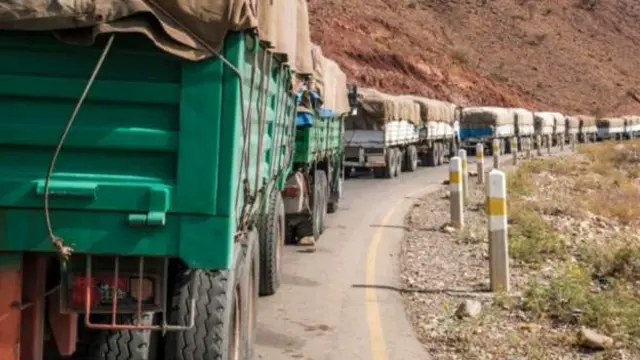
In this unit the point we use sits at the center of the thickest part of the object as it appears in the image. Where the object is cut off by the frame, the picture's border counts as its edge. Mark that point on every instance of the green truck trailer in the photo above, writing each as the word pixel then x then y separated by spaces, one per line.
pixel 314 186
pixel 148 229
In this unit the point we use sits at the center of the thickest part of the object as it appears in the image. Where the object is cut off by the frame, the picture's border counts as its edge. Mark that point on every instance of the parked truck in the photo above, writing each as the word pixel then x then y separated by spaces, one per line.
pixel 611 128
pixel 483 125
pixel 314 186
pixel 382 134
pixel 140 191
pixel 545 125
pixel 438 136
pixel 587 130
pixel 524 126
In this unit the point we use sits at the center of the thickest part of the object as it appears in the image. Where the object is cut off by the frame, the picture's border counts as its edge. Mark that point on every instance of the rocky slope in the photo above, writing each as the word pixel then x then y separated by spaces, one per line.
pixel 568 55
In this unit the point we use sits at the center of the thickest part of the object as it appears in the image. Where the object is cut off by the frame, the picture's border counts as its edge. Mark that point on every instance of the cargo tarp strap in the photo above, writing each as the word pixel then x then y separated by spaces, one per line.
pixel 58 242
pixel 266 74
pixel 246 144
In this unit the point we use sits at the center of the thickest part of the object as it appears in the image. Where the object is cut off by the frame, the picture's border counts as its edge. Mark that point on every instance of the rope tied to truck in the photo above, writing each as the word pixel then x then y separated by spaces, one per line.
pixel 65 251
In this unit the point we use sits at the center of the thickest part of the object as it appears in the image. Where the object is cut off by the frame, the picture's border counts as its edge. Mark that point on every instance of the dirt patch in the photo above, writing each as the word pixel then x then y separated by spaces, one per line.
pixel 575 264
pixel 558 54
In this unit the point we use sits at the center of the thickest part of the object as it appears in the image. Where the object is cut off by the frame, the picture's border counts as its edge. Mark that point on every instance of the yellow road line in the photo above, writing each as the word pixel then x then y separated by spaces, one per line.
pixel 376 334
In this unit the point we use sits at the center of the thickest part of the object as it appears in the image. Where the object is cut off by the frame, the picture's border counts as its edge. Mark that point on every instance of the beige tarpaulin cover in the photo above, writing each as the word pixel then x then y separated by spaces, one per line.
pixel 487 116
pixel 525 117
pixel 573 122
pixel 267 17
pixel 179 27
pixel 434 110
pixel 318 62
pixel 329 96
pixel 375 109
pixel 304 62
pixel 586 120
pixel 341 93
pixel 611 122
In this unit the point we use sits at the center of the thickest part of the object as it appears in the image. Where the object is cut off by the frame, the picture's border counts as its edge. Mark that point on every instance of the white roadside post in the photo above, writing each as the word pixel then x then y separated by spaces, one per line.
pixel 495 147
pixel 527 144
pixel 539 145
pixel 562 140
pixel 514 150
pixel 465 174
pixel 549 143
pixel 456 192
pixel 498 235
pixel 573 142
pixel 480 162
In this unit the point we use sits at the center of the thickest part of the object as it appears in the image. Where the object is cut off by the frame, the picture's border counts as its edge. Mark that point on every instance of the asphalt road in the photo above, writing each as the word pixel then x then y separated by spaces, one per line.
pixel 340 302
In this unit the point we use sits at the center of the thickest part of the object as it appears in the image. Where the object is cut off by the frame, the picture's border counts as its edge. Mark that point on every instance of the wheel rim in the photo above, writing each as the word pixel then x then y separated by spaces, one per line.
pixel 234 338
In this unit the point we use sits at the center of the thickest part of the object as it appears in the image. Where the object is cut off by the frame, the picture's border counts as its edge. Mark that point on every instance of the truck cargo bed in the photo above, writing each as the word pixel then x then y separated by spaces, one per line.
pixel 151 164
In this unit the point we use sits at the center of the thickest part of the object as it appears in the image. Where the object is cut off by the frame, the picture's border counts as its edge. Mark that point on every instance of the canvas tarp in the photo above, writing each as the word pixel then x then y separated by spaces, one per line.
pixel 342 94
pixel 544 119
pixel 375 109
pixel 493 116
pixel 611 122
pixel 317 59
pixel 185 28
pixel 573 122
pixel 329 79
pixel 586 120
pixel 525 117
pixel 304 62
pixel 432 110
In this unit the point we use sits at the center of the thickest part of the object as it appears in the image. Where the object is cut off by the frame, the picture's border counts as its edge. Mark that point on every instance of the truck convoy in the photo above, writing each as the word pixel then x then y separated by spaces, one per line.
pixel 145 150
pixel 391 134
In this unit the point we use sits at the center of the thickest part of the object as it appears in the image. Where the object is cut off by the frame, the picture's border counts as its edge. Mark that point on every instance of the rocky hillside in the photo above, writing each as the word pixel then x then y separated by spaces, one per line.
pixel 568 55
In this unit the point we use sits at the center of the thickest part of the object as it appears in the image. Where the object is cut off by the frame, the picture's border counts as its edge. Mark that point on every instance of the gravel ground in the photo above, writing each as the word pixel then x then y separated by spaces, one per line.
pixel 443 270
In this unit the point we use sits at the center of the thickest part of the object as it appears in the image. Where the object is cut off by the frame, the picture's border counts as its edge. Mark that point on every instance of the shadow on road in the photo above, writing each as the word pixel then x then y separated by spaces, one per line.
pixel 452 292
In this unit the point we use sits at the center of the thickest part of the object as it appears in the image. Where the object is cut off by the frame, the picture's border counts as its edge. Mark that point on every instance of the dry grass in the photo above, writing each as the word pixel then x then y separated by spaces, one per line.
pixel 579 216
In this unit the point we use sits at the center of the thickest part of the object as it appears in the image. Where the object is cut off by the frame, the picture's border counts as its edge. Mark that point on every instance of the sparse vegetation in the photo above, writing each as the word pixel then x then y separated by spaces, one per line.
pixel 594 275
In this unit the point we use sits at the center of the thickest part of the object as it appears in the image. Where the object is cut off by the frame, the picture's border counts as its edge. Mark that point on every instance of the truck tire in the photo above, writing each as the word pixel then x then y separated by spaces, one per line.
pixel 430 157
pixel 334 199
pixel 272 235
pixel 120 344
pixel 411 159
pixel 398 162
pixel 252 269
pixel 323 184
pixel 389 168
pixel 440 152
pixel 217 332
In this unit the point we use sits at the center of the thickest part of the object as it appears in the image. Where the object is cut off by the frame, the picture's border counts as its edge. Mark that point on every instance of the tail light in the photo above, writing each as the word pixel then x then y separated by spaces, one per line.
pixel 291 191
pixel 102 291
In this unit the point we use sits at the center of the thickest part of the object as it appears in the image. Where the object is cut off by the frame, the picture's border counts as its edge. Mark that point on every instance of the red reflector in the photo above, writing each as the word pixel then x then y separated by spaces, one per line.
pixel 291 191
pixel 101 290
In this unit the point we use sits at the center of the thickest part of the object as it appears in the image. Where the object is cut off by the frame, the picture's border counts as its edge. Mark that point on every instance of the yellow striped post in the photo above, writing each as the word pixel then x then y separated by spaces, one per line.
pixel 480 162
pixel 465 174
pixel 514 150
pixel 498 235
pixel 495 146
pixel 456 192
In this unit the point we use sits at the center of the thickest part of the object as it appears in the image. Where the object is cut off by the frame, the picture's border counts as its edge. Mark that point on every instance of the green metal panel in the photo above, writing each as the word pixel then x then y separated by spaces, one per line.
pixel 322 139
pixel 158 137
